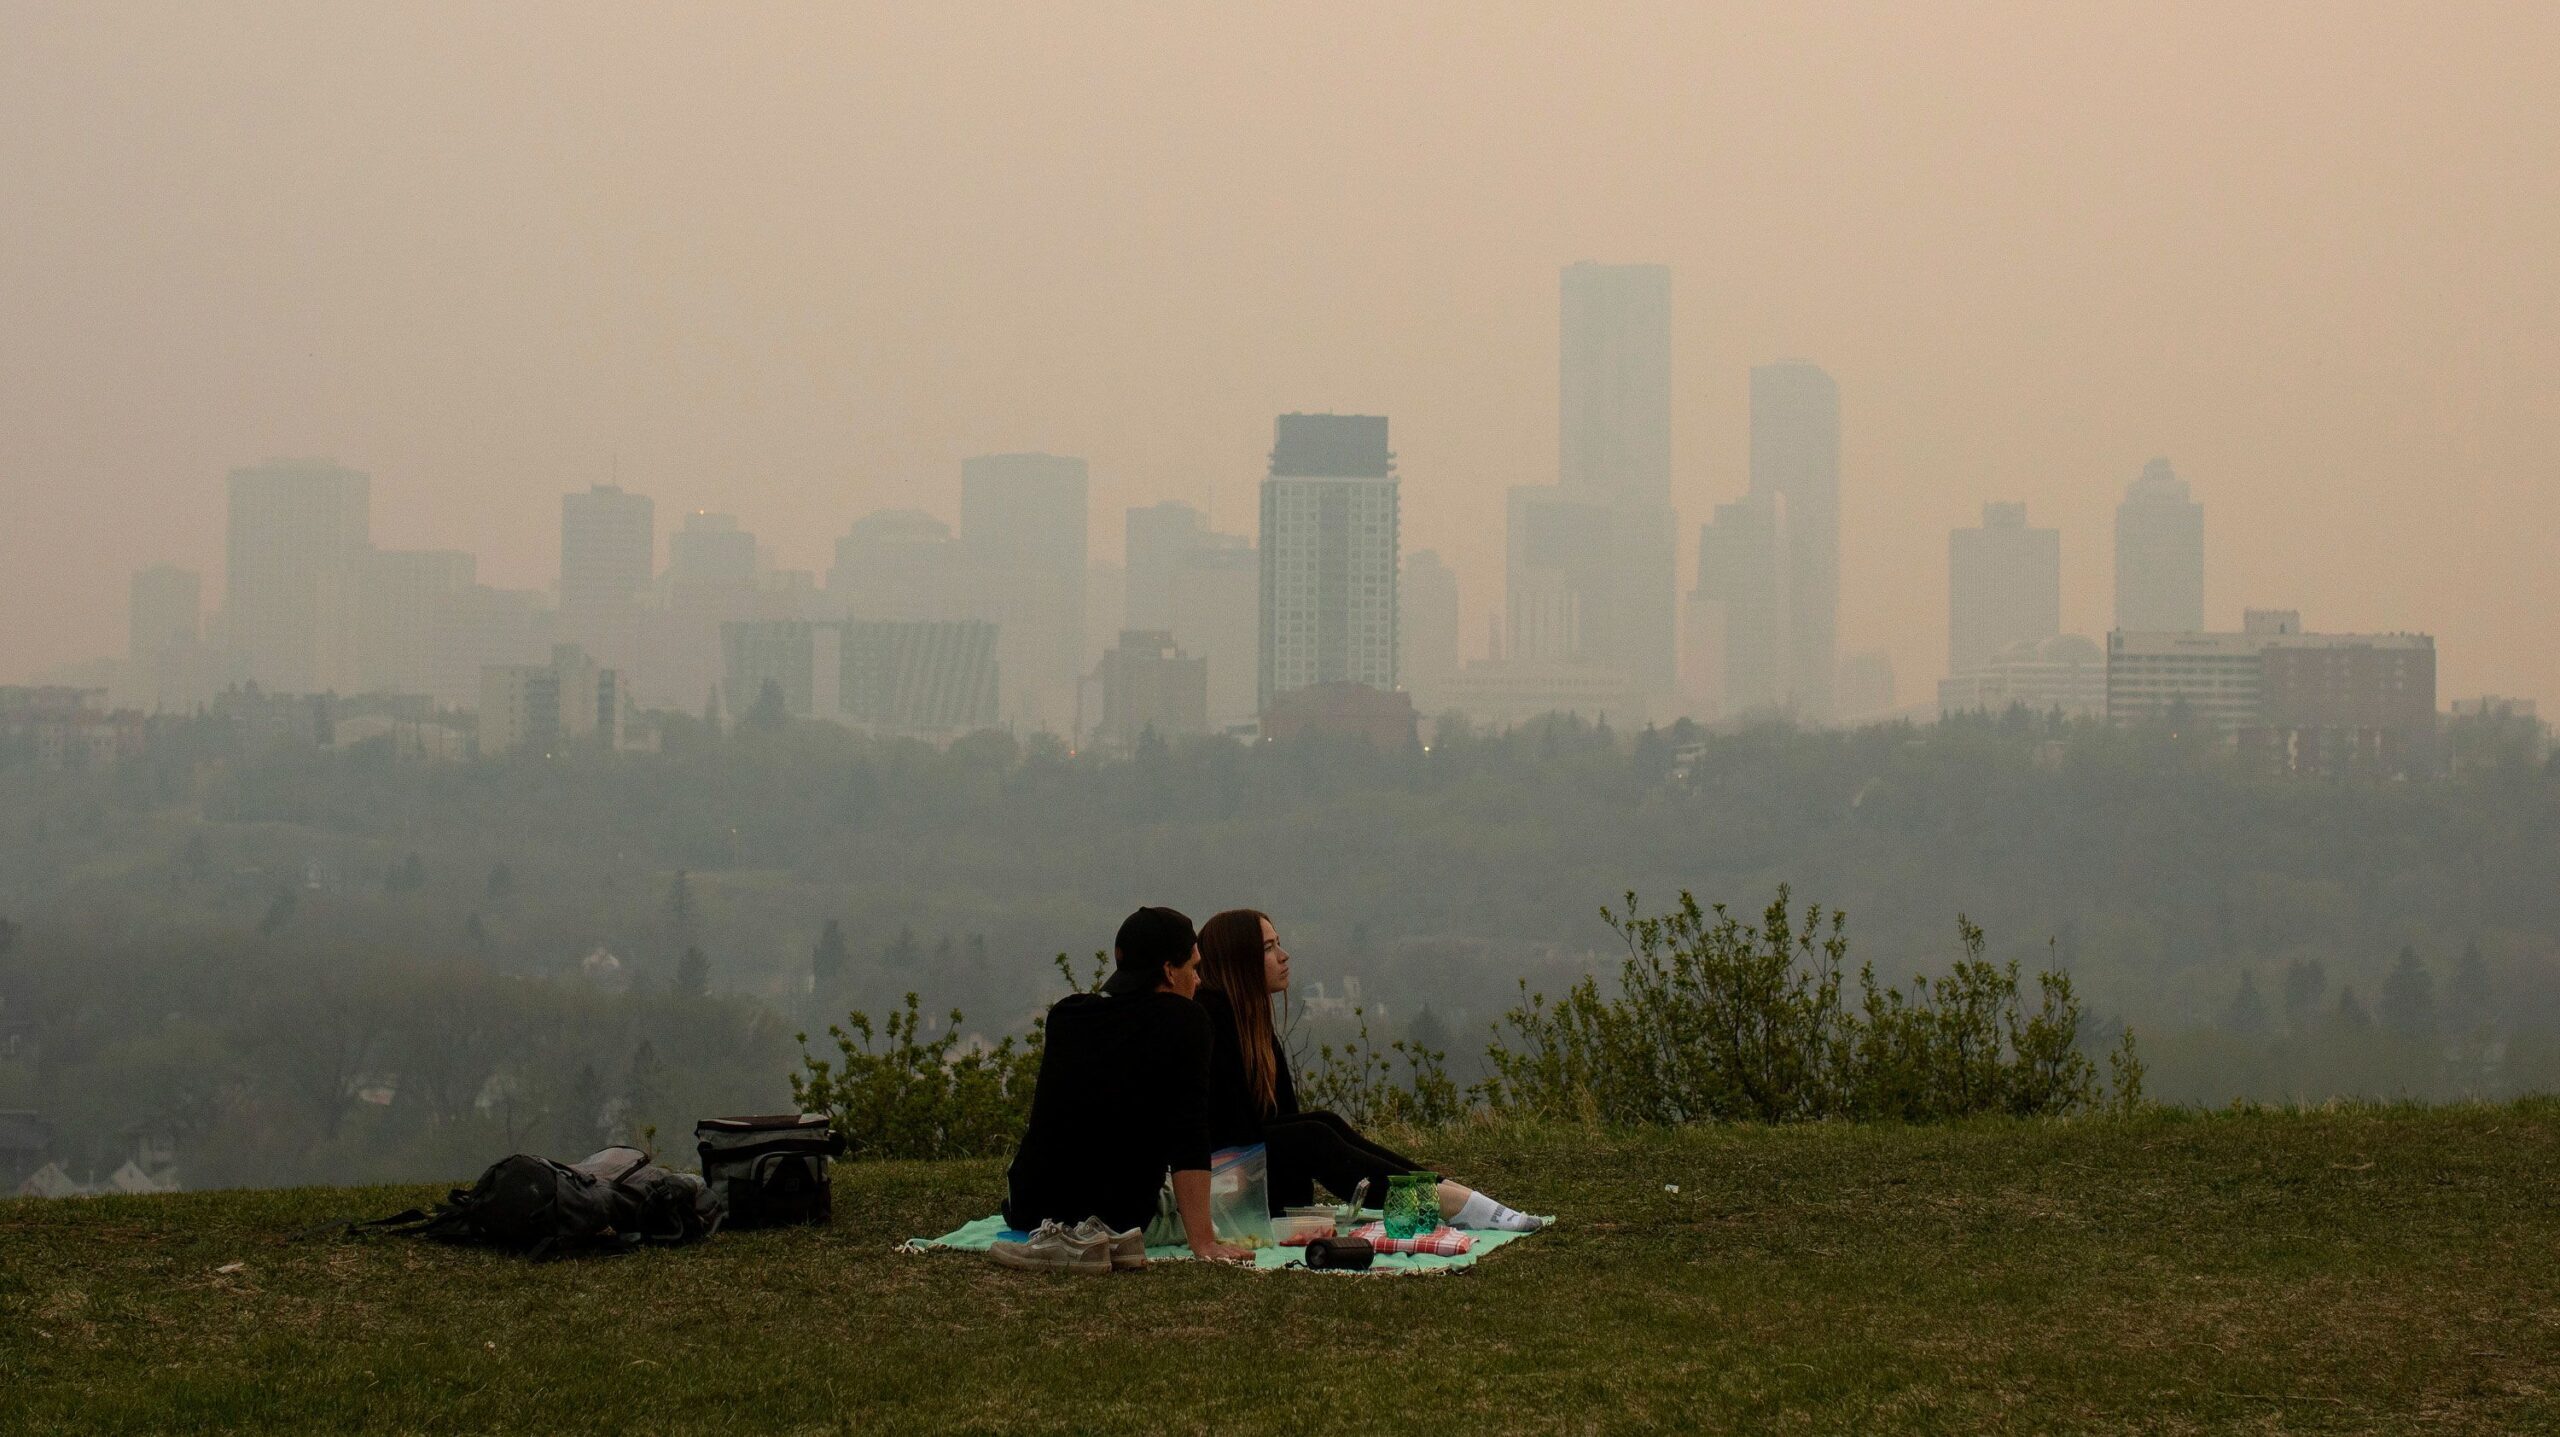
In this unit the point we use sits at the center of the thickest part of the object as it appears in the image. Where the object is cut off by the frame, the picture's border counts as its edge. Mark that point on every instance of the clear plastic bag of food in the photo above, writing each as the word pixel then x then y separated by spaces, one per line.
pixel 1240 1196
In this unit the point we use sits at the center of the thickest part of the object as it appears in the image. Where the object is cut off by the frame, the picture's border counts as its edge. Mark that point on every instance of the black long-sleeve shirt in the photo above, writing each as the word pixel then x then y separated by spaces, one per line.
pixel 1235 1120
pixel 1123 1097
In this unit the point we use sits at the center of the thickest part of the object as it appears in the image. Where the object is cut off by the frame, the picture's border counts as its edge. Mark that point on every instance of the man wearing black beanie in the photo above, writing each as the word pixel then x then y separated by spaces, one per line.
pixel 1123 1096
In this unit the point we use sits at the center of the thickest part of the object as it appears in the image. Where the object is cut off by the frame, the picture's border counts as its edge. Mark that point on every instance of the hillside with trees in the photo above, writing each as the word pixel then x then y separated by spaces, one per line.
pixel 307 960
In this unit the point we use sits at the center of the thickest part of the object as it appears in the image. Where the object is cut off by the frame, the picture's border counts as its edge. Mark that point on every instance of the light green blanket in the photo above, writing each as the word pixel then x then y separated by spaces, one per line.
pixel 982 1234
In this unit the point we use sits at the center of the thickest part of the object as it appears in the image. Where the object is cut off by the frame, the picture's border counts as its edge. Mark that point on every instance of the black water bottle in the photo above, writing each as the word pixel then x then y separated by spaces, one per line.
pixel 1342 1254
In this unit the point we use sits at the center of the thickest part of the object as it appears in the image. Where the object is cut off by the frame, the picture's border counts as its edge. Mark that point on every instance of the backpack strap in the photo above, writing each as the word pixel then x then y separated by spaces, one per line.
pixel 409 1222
pixel 349 1226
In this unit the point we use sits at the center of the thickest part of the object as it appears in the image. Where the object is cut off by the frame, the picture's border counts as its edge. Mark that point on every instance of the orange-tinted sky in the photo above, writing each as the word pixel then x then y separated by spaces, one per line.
pixel 795 261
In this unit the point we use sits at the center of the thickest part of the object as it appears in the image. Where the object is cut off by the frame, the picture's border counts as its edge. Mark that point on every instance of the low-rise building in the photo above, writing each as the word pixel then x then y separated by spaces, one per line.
pixel 928 679
pixel 1505 693
pixel 407 737
pixel 933 679
pixel 26 1142
pixel 539 706
pixel 2065 674
pixel 1150 684
pixel 62 727
pixel 1383 717
pixel 2300 701
pixel 2491 725
pixel 51 1181
pixel 785 653
pixel 260 720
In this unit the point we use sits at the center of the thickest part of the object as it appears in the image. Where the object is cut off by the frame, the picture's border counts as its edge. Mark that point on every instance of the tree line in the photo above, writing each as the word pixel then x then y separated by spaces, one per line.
pixel 760 881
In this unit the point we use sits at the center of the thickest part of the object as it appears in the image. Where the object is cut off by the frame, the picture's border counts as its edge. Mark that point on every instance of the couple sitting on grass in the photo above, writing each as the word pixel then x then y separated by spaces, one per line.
pixel 1174 1059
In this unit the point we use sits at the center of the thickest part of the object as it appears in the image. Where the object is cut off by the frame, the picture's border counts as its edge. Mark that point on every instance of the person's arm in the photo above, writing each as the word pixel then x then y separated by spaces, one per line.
pixel 1187 1103
pixel 1191 1199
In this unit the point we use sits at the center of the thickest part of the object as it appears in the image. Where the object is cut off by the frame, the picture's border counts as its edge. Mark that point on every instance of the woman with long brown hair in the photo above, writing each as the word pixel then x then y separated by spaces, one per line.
pixel 1254 1099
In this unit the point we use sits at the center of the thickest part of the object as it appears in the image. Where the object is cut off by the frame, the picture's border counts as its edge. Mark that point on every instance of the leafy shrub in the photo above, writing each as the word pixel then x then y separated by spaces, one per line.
pixel 1361 1083
pixel 1718 1020
pixel 895 1093
pixel 1714 1020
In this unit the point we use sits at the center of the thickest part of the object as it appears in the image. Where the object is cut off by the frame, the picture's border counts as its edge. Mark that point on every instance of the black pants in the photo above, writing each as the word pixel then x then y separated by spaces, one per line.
pixel 1312 1148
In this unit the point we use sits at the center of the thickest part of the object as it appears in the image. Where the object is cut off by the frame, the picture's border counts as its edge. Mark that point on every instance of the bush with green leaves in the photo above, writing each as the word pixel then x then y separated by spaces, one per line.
pixel 1714 1020
pixel 1718 1020
pixel 1364 1085
pixel 895 1092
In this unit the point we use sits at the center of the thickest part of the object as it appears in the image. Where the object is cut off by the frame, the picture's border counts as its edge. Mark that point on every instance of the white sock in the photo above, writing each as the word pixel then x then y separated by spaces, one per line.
pixel 1483 1213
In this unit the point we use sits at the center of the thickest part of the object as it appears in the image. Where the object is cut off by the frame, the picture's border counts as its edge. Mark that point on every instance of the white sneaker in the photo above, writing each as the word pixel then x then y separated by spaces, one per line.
pixel 1054 1248
pixel 1128 1249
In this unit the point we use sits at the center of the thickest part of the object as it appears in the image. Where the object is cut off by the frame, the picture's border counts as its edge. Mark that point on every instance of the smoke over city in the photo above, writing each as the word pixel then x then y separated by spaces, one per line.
pixel 681 525
pixel 1844 698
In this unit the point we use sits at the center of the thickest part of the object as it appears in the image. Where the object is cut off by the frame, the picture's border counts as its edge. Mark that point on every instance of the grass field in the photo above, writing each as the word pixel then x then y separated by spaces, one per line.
pixel 2353 1271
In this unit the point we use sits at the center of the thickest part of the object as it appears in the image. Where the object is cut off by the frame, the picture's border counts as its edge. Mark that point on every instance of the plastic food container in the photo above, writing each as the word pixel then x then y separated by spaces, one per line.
pixel 1300 1226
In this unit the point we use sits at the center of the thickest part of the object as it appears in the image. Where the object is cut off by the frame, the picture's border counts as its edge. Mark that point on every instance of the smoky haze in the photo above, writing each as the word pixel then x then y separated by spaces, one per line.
pixel 797 262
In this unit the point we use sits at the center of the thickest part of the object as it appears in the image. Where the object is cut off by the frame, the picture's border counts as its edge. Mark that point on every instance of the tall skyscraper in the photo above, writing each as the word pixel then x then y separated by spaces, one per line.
pixel 710 582
pixel 1427 616
pixel 1744 581
pixel 1795 454
pixel 1614 453
pixel 1329 515
pixel 1866 685
pixel 709 556
pixel 298 536
pixel 1561 573
pixel 1023 529
pixel 1106 592
pixel 1217 608
pixel 1614 434
pixel 2159 555
pixel 408 594
pixel 1702 658
pixel 168 612
pixel 608 550
pixel 1161 538
pixel 482 627
pixel 169 667
pixel 2004 586
pixel 896 564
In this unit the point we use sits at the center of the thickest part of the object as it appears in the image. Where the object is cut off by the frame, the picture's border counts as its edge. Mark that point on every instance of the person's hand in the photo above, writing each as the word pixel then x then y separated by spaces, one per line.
pixel 1220 1252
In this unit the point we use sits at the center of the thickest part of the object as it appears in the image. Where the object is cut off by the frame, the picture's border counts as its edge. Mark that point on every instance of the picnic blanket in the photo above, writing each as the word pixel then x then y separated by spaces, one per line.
pixel 983 1234
pixel 1441 1241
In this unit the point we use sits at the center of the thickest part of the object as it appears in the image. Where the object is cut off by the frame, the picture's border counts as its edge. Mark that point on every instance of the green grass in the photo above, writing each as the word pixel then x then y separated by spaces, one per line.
pixel 2355 1271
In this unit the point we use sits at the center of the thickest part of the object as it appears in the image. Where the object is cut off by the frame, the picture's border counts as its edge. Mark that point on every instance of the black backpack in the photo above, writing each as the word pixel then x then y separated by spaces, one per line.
pixel 769 1171
pixel 613 1201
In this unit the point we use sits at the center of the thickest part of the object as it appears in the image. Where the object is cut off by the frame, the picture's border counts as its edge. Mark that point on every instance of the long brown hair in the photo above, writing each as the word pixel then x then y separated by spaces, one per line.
pixel 1231 962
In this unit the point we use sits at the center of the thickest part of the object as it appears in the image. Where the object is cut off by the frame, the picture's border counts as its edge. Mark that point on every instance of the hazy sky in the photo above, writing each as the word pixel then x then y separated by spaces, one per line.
pixel 796 261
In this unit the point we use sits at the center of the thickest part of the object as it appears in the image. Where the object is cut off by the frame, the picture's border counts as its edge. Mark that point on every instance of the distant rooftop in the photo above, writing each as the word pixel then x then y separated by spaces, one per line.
pixel 1332 446
pixel 2158 482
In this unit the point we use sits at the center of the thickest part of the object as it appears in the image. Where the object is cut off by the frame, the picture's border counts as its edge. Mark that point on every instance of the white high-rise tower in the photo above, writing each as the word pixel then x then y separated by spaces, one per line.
pixel 1329 515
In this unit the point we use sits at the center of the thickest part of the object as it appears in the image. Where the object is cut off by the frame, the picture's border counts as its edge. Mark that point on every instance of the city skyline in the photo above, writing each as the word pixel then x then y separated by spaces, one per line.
pixel 608 517
pixel 416 622
pixel 684 289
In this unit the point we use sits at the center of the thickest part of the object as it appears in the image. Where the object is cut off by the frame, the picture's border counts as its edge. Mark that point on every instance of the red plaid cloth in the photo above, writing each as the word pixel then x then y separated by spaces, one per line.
pixel 1442 1241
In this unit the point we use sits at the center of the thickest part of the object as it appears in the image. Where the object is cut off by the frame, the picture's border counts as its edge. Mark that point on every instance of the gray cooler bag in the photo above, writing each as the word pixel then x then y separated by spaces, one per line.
pixel 769 1171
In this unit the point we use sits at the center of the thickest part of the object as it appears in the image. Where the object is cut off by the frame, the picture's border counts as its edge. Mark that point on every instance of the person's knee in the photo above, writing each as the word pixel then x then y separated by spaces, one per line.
pixel 1332 1122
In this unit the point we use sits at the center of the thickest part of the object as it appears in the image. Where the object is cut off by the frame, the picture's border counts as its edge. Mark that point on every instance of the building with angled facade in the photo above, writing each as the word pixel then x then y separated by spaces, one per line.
pixel 929 679
pixel 2159 555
